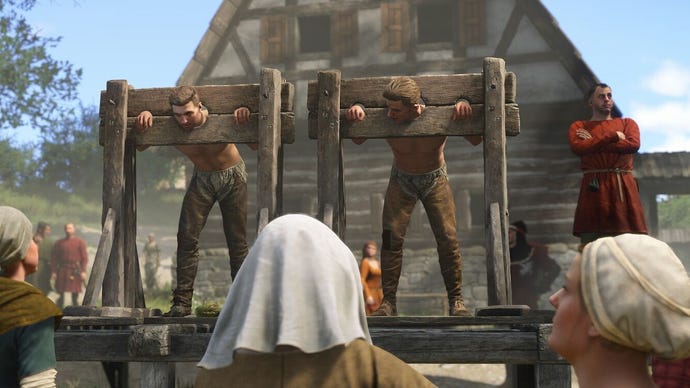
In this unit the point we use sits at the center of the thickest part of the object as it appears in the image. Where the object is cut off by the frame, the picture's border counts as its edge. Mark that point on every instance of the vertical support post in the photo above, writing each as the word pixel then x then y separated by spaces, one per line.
pixel 133 289
pixel 329 149
pixel 495 180
pixel 114 134
pixel 269 146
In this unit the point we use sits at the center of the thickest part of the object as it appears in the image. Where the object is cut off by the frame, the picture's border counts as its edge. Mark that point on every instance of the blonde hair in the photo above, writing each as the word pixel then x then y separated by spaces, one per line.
pixel 403 89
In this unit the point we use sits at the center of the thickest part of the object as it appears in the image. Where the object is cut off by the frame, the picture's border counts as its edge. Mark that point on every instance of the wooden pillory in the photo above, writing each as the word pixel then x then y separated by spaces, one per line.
pixel 494 115
pixel 116 265
pixel 159 342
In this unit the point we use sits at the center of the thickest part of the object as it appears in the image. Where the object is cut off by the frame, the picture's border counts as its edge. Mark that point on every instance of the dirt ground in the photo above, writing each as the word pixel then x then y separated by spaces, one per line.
pixel 90 374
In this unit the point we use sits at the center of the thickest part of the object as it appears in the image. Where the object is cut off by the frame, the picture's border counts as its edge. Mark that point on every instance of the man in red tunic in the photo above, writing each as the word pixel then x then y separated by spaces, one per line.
pixel 609 202
pixel 68 264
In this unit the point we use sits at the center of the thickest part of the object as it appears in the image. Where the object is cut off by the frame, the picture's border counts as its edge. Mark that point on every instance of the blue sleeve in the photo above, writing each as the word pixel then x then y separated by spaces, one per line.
pixel 36 348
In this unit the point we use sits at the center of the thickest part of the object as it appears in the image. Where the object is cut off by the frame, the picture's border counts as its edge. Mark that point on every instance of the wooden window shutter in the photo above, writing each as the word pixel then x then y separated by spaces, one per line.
pixel 395 26
pixel 274 39
pixel 472 18
pixel 345 33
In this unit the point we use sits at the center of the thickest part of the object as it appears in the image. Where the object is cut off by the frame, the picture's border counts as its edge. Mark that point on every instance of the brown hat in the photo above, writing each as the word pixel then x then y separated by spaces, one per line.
pixel 637 294
pixel 15 235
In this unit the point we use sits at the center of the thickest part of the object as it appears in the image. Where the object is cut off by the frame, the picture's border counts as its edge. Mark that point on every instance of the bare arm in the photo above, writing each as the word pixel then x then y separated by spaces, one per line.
pixel 143 122
pixel 356 113
pixel 242 115
pixel 461 111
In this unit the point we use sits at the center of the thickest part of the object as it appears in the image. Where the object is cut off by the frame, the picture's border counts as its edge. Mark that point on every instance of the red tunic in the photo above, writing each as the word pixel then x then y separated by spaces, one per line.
pixel 68 261
pixel 615 206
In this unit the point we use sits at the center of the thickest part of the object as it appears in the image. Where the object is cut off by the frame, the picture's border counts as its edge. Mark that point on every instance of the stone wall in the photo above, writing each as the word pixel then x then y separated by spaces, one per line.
pixel 421 290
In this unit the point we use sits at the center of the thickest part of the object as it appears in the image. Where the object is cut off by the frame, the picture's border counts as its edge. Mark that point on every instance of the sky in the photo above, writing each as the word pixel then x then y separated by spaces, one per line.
pixel 639 48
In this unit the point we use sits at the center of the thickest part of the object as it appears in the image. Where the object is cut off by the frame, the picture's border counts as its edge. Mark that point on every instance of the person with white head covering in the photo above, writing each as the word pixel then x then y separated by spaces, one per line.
pixel 294 317
pixel 625 298
pixel 27 317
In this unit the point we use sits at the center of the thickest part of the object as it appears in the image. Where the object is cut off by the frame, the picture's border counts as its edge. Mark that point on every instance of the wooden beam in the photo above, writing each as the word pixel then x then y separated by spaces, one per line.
pixel 100 261
pixel 217 129
pixel 114 133
pixel 328 146
pixel 269 131
pixel 413 344
pixel 436 90
pixel 219 99
pixel 133 289
pixel 495 180
pixel 435 121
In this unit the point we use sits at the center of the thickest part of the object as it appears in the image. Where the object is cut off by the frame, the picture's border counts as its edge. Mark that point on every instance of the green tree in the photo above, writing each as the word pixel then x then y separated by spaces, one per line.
pixel 35 89
pixel 71 159
pixel 674 211
pixel 17 166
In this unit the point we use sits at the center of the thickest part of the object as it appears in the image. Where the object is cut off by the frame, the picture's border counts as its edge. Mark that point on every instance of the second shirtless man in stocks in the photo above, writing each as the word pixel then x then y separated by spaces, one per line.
pixel 418 173
pixel 219 176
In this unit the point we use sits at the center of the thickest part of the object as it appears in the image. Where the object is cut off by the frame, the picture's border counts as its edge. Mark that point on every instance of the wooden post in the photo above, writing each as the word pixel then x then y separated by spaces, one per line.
pixel 114 134
pixel 495 271
pixel 328 147
pixel 133 289
pixel 100 261
pixel 495 181
pixel 269 143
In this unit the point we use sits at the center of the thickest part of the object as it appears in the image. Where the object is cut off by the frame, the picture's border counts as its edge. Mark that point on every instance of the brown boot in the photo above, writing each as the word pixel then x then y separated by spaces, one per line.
pixel 386 309
pixel 179 311
pixel 456 308
pixel 391 267
pixel 181 303
pixel 451 270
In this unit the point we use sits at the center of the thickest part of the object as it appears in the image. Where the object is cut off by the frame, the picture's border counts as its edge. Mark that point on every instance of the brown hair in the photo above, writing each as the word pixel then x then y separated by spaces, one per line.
pixel 181 95
pixel 594 89
pixel 403 89
pixel 366 244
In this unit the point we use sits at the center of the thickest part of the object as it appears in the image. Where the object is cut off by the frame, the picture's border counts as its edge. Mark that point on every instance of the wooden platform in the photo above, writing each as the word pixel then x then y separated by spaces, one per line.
pixel 520 340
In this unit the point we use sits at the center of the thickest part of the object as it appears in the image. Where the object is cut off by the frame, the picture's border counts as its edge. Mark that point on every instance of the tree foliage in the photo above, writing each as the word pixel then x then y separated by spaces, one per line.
pixel 35 89
pixel 71 159
pixel 674 212
pixel 39 91
pixel 17 166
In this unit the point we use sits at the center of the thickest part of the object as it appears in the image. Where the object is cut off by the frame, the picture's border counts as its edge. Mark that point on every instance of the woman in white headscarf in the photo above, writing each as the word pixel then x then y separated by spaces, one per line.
pixel 294 317
pixel 27 317
pixel 624 298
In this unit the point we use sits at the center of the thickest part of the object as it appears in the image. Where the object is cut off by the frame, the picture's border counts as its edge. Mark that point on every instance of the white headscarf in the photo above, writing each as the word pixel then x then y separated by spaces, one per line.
pixel 298 286
pixel 637 294
pixel 15 235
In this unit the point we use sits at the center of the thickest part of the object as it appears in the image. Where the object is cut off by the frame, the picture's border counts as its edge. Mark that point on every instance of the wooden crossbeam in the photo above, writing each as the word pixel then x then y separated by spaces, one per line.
pixel 435 121
pixel 217 129
pixel 436 90
pixel 219 99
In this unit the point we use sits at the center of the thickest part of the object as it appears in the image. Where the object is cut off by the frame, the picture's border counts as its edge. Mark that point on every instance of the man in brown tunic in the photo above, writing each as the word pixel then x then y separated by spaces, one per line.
pixel 68 265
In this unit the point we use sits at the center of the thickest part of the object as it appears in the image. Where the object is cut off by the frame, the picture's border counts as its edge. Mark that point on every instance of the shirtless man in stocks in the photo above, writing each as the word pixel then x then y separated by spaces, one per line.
pixel 219 176
pixel 418 173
